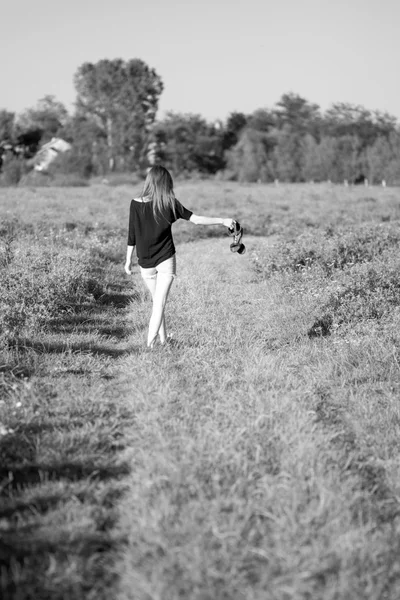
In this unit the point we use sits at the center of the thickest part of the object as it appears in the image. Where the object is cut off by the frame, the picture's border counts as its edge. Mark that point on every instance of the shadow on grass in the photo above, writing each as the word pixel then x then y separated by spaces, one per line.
pixel 28 550
pixel 16 370
pixel 87 555
pixel 14 477
pixel 18 452
pixel 60 475
pixel 28 543
pixel 81 373
pixel 83 544
pixel 85 325
pixel 101 303
pixel 42 503
pixel 81 347
pixel 119 300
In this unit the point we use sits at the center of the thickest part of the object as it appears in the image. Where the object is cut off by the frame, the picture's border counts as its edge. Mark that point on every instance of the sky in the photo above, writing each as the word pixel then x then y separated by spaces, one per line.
pixel 214 56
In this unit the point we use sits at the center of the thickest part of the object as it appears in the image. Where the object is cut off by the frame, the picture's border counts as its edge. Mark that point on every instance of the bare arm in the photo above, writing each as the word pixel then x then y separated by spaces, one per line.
pixel 199 220
pixel 129 252
pixel 131 239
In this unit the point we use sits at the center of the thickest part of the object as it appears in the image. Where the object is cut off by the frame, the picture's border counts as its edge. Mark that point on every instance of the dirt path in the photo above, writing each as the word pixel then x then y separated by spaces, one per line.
pixel 241 485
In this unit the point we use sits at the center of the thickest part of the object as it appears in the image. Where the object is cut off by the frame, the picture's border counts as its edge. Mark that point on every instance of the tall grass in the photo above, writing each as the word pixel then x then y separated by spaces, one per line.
pixel 260 472
pixel 257 456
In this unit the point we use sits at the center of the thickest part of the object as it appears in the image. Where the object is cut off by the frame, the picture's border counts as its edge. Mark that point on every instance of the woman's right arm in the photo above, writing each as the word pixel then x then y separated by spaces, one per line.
pixel 129 252
pixel 199 220
pixel 131 241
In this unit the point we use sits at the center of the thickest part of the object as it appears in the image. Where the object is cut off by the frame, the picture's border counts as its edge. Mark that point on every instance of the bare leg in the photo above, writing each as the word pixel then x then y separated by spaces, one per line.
pixel 151 284
pixel 159 289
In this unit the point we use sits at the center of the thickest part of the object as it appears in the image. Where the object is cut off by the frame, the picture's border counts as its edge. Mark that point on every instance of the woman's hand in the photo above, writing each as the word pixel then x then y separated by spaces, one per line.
pixel 228 223
pixel 129 252
pixel 128 267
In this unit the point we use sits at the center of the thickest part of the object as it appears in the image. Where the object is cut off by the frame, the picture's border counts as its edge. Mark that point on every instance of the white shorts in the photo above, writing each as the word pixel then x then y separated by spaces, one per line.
pixel 167 267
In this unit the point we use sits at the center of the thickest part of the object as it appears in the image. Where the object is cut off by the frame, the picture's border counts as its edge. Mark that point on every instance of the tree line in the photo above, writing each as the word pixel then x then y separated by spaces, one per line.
pixel 114 128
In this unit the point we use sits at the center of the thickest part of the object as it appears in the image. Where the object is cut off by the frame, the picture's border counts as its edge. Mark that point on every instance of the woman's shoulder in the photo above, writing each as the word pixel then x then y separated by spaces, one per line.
pixel 141 200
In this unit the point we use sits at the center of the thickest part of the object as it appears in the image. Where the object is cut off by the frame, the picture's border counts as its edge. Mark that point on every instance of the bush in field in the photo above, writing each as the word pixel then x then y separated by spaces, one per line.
pixel 66 171
pixel 70 163
pixel 370 295
pixel 370 292
pixel 36 179
pixel 37 284
pixel 12 170
pixel 328 250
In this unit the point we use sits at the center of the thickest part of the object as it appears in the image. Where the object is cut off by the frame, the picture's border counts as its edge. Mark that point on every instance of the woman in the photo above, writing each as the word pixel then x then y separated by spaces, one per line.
pixel 150 220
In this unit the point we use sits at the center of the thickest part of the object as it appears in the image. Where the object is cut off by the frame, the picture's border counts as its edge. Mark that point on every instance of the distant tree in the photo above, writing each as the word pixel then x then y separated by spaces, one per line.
pixel 7 122
pixel 295 118
pixel 90 152
pixel 48 116
pixel 350 160
pixel 385 124
pixel 177 135
pixel 288 154
pixel 300 115
pixel 392 171
pixel 28 142
pixel 187 143
pixel 261 120
pixel 345 119
pixel 122 97
pixel 299 143
pixel 313 168
pixel 379 157
pixel 235 123
pixel 249 159
pixel 328 153
pixel 209 153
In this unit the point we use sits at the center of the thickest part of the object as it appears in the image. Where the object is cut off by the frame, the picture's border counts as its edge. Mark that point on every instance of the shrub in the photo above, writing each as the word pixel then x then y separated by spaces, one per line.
pixel 67 170
pixel 37 179
pixel 370 292
pixel 70 163
pixel 328 250
pixel 11 171
pixel 37 284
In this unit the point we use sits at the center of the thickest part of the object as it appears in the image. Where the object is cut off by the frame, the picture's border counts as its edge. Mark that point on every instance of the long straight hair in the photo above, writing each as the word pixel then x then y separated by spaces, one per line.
pixel 159 187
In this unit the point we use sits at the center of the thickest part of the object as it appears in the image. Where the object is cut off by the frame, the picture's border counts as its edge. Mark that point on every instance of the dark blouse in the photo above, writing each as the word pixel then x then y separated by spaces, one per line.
pixel 153 237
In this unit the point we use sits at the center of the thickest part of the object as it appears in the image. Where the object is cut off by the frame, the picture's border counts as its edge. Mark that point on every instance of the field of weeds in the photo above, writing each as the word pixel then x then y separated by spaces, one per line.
pixel 257 456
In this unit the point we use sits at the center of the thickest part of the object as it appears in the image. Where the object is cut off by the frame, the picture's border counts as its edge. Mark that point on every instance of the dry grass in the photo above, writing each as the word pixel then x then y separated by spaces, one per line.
pixel 257 457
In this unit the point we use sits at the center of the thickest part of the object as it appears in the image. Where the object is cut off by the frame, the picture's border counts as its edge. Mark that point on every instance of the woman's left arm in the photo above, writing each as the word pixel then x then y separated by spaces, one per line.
pixel 200 220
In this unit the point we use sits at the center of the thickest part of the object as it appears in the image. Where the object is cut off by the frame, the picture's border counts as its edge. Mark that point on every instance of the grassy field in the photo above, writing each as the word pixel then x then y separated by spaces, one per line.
pixel 258 456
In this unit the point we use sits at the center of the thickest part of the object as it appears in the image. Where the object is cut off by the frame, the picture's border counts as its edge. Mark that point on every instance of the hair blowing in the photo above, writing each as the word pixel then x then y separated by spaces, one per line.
pixel 159 187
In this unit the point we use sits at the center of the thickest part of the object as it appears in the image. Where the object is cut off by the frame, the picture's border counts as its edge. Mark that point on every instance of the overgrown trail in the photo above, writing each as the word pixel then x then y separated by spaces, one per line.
pixel 226 465
pixel 248 478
